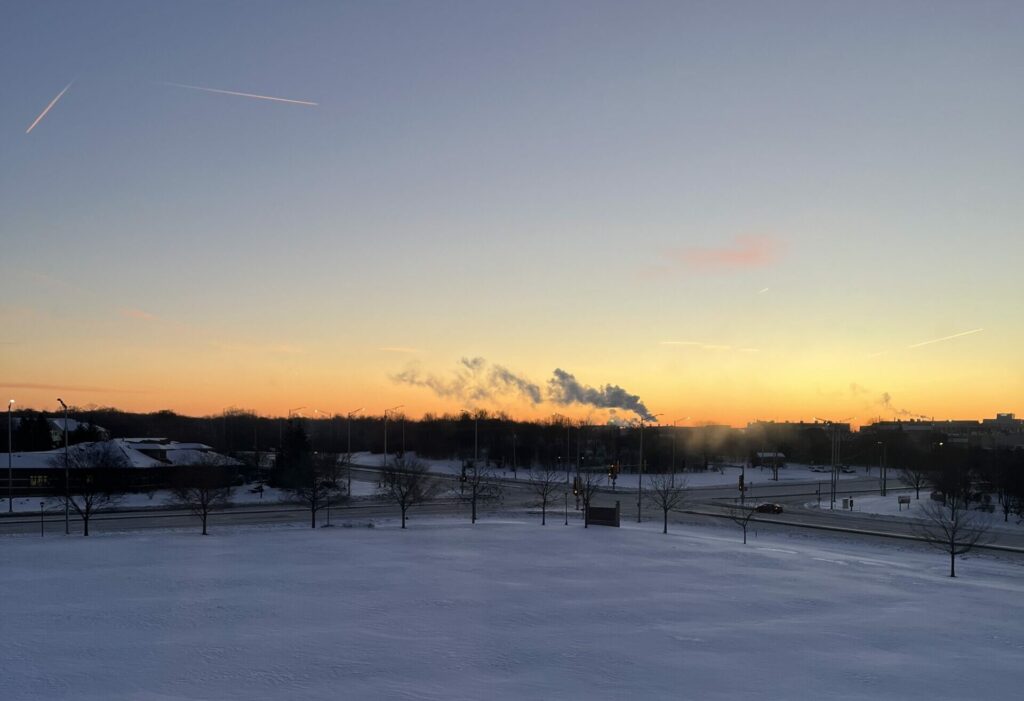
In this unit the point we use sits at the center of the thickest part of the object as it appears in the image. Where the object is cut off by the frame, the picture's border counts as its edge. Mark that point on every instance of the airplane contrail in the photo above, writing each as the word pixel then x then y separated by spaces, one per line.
pixel 945 338
pixel 244 94
pixel 48 107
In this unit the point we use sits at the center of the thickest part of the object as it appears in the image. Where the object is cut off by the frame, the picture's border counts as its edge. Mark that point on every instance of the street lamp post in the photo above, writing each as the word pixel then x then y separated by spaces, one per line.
pixel 386 411
pixel 10 454
pixel 675 431
pixel 882 469
pixel 640 472
pixel 67 474
pixel 349 448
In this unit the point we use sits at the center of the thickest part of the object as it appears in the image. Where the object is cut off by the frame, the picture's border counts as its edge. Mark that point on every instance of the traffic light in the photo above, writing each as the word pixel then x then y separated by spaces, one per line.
pixel 576 486
pixel 741 483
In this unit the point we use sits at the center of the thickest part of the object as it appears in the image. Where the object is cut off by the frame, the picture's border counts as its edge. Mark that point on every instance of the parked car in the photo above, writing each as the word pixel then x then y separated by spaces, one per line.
pixel 768 508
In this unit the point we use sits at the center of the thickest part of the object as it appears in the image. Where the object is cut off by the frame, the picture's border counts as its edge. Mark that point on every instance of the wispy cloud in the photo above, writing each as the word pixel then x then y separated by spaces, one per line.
pixel 48 108
pixel 69 388
pixel 744 252
pixel 243 94
pixel 138 314
pixel 945 338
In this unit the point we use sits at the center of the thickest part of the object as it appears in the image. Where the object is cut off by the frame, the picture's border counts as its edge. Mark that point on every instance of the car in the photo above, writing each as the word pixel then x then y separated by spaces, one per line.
pixel 768 508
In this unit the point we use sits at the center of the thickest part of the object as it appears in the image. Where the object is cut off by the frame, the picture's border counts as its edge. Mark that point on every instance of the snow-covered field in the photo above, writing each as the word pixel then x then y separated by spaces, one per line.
pixel 162 498
pixel 503 610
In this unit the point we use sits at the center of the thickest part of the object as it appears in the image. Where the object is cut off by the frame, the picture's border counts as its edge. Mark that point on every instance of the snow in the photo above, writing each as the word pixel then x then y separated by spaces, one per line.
pixel 889 506
pixel 162 498
pixel 505 609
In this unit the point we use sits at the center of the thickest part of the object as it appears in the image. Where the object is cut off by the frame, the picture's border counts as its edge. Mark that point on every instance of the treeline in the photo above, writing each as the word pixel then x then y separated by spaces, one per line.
pixel 500 440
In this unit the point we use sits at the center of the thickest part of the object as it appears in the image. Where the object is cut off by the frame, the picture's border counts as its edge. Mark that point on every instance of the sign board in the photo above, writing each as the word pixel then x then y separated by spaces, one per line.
pixel 904 500
pixel 603 515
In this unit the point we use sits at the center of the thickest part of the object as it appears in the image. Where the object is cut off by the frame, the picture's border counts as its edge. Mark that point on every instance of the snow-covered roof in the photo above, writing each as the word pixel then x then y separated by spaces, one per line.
pixel 169 453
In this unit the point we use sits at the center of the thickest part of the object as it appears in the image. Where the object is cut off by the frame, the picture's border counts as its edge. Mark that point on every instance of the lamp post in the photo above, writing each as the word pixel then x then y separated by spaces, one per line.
pixel 67 474
pixel 882 467
pixel 476 436
pixel 349 416
pixel 10 453
pixel 675 431
pixel 386 411
pixel 640 472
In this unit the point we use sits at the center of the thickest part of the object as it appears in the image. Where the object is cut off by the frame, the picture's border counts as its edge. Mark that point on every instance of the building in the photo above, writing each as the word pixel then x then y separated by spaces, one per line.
pixel 144 464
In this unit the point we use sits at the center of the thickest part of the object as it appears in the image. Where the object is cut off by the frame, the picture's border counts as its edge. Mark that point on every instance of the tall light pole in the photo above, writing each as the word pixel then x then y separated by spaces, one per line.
pixel 386 411
pixel 67 474
pixel 640 472
pixel 476 436
pixel 566 419
pixel 280 432
pixel 10 453
pixel 883 461
pixel 349 416
pixel 674 441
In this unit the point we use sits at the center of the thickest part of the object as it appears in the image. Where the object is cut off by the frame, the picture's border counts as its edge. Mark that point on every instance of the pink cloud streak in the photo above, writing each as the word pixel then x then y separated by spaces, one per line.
pixel 743 253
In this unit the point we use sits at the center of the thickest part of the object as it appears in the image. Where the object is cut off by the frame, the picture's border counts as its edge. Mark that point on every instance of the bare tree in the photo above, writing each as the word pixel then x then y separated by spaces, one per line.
pixel 96 478
pixel 952 527
pixel 481 484
pixel 546 484
pixel 668 493
pixel 407 483
pixel 915 476
pixel 203 486
pixel 587 486
pixel 316 483
pixel 741 515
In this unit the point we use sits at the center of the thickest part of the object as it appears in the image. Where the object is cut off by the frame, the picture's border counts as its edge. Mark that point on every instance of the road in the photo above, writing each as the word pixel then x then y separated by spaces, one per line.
pixel 703 505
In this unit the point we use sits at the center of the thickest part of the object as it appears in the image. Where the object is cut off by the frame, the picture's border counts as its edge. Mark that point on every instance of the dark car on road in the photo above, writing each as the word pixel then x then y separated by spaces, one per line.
pixel 768 508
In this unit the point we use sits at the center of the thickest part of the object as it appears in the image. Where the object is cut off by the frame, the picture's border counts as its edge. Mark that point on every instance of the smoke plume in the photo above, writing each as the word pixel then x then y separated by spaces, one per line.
pixel 564 388
pixel 476 380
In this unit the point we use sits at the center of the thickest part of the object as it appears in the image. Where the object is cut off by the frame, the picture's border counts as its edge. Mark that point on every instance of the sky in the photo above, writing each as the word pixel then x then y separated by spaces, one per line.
pixel 711 212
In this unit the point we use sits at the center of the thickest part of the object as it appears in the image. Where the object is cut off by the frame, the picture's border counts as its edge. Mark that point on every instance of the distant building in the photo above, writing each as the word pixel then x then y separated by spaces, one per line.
pixel 1007 423
pixel 149 463
pixel 769 459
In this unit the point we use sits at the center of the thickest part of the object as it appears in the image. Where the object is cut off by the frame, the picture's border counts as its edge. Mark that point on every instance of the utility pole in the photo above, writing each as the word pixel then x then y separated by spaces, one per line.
pixel 67 473
pixel 349 448
pixel 386 411
pixel 882 466
pixel 10 454
pixel 640 472
pixel 640 476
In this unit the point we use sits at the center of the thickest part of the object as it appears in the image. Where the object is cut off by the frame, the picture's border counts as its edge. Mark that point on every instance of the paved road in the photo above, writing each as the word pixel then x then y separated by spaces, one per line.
pixel 704 504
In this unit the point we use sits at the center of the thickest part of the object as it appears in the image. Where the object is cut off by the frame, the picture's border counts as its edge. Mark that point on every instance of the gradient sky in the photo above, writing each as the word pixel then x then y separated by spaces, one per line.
pixel 733 210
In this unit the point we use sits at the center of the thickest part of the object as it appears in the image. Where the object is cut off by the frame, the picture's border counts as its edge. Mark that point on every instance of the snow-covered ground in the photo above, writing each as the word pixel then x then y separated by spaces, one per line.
pixel 729 474
pixel 502 610
pixel 889 506
pixel 162 498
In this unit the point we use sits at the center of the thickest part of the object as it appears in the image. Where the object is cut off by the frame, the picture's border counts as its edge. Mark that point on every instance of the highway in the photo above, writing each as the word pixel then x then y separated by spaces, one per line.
pixel 703 505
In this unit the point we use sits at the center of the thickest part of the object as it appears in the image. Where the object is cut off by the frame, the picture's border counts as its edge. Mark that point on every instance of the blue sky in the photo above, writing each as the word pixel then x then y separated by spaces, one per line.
pixel 523 181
